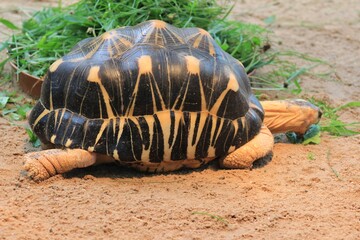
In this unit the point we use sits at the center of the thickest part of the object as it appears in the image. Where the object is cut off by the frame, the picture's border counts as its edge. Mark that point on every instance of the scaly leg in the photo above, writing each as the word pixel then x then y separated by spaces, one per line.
pixel 243 157
pixel 45 164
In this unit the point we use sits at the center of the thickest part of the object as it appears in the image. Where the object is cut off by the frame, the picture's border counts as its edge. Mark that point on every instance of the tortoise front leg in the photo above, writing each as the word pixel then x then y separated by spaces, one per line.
pixel 45 164
pixel 290 115
pixel 260 146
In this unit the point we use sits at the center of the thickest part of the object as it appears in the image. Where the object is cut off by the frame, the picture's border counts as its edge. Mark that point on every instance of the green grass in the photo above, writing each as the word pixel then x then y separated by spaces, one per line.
pixel 33 139
pixel 330 119
pixel 14 106
pixel 52 32
pixel 245 42
pixel 284 74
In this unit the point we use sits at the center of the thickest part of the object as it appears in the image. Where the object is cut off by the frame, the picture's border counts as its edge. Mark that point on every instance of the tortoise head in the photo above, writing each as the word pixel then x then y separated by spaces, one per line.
pixel 290 115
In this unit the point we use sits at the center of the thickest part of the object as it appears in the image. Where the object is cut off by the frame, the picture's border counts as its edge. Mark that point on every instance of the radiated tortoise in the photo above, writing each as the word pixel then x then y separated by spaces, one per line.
pixel 156 98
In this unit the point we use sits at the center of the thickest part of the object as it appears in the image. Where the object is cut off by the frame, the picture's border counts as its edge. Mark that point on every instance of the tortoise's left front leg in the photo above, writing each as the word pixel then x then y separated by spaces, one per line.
pixel 244 157
pixel 45 164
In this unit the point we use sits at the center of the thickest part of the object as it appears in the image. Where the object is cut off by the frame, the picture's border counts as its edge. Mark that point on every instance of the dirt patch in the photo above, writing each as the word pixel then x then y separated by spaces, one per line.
pixel 305 192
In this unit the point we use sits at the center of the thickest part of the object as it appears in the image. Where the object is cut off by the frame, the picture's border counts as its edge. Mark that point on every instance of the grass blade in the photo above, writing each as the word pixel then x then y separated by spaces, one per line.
pixel 213 216
pixel 9 24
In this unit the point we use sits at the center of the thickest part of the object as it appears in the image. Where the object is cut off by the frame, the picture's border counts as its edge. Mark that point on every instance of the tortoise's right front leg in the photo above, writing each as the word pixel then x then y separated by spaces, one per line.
pixel 45 164
pixel 244 157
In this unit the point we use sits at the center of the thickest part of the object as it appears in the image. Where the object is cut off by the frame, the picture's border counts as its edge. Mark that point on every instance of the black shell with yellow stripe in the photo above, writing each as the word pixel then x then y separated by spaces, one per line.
pixel 148 93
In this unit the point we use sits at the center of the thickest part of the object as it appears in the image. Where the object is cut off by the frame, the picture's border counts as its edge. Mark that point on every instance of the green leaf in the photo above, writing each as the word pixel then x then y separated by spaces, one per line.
pixel 313 140
pixel 3 101
pixel 225 46
pixel 14 116
pixel 8 24
pixel 338 128
pixel 22 110
pixel 33 138
pixel 8 111
pixel 31 134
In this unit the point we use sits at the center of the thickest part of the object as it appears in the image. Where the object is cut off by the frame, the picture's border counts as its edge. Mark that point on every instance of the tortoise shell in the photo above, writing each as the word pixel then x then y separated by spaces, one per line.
pixel 148 93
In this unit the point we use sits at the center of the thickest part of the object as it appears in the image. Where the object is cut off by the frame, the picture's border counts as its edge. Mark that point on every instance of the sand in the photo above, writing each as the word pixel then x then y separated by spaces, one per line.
pixel 305 192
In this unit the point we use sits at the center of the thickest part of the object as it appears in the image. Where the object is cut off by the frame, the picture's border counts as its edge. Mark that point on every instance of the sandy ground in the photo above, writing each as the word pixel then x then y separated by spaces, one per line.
pixel 292 197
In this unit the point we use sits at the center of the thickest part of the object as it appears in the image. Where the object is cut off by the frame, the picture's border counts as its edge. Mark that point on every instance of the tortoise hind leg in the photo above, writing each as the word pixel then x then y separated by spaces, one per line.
pixel 45 164
pixel 260 146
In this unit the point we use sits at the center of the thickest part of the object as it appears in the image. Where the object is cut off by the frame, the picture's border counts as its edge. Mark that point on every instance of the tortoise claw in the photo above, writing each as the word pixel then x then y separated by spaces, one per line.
pixel 35 170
